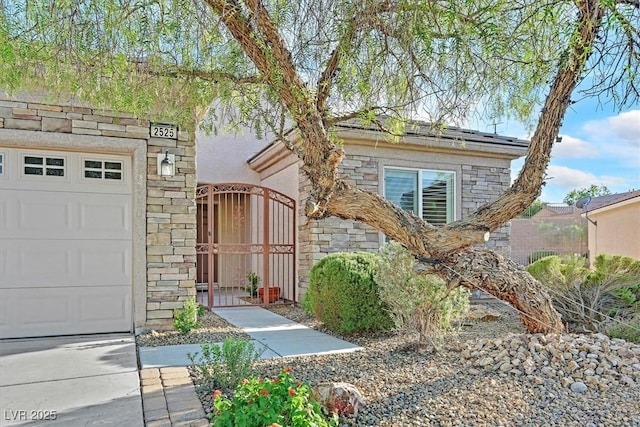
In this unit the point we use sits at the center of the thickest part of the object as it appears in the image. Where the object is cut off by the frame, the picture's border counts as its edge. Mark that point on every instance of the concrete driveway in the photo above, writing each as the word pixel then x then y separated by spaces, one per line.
pixel 70 381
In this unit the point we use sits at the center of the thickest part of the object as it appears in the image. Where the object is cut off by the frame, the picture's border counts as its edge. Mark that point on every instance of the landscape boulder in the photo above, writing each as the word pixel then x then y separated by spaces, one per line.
pixel 339 398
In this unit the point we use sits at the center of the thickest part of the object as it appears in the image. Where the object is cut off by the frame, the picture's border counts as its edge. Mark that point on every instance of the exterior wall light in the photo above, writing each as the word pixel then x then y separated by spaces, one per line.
pixel 166 164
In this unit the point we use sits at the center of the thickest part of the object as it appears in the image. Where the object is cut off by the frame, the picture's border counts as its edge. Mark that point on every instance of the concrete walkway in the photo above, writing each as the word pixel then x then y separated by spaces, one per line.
pixel 277 336
pixel 168 394
pixel 70 381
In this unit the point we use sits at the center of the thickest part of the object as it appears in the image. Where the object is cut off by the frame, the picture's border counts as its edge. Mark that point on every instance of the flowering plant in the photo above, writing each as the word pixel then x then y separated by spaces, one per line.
pixel 280 402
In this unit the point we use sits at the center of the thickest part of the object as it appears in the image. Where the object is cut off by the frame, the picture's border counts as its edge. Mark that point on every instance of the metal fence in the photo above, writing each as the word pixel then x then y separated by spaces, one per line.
pixel 551 229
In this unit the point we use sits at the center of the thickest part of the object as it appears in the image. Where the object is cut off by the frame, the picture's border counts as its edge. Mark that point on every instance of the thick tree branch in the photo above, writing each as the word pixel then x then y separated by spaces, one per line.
pixel 268 52
pixel 527 187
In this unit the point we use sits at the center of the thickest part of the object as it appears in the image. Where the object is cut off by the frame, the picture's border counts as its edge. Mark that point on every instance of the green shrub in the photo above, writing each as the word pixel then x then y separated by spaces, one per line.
pixel 421 303
pixel 186 319
pixel 629 296
pixel 282 401
pixel 535 256
pixel 627 331
pixel 344 295
pixel 583 297
pixel 224 366
pixel 307 305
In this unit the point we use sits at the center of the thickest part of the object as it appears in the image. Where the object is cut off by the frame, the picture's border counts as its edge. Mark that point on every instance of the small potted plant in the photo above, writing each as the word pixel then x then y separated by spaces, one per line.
pixel 273 294
pixel 253 280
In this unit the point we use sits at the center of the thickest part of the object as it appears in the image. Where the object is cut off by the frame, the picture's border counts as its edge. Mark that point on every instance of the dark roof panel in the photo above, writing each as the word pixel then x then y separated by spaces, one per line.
pixel 424 129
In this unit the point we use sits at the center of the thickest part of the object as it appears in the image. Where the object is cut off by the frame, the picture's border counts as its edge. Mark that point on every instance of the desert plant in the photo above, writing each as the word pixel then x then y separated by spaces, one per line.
pixel 583 296
pixel 629 296
pixel 186 318
pixel 418 302
pixel 627 331
pixel 224 366
pixel 253 280
pixel 344 295
pixel 283 401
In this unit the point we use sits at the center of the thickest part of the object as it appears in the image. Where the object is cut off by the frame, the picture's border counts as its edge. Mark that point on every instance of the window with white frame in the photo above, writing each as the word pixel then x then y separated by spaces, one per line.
pixel 43 165
pixel 103 169
pixel 427 193
pixel 1 163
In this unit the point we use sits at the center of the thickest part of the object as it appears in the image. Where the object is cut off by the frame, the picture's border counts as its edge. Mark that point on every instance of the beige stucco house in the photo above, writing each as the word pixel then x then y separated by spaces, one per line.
pixel 96 237
pixel 614 225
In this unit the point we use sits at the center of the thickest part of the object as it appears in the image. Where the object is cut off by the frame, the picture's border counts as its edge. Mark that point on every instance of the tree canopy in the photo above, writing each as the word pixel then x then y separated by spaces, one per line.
pixel 578 193
pixel 444 61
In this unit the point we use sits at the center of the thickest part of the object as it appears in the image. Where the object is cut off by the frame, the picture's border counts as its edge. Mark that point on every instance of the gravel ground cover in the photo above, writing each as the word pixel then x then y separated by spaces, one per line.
pixel 212 329
pixel 490 374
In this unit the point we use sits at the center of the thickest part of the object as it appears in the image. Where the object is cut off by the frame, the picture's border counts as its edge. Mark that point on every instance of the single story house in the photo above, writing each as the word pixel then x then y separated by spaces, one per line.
pixel 614 225
pixel 108 222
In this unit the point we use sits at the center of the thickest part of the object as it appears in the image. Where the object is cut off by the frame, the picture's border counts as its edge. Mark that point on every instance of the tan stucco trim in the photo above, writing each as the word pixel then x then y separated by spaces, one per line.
pixel 137 149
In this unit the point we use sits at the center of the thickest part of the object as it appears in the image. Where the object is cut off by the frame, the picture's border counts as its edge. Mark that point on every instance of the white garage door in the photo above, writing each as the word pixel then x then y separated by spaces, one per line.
pixel 65 243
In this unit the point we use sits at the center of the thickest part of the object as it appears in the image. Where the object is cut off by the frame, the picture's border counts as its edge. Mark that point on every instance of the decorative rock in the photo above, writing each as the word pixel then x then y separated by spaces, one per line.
pixel 339 398
pixel 566 381
pixel 484 314
pixel 628 380
pixel 579 387
pixel 572 366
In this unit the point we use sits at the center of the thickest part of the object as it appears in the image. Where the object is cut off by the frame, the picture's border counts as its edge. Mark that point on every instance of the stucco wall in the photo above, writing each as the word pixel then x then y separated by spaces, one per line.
pixel 223 158
pixel 617 231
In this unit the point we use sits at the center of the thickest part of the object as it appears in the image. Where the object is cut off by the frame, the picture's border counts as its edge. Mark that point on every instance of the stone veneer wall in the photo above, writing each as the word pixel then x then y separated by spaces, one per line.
pixel 170 204
pixel 480 185
pixel 171 230
pixel 321 237
pixel 318 238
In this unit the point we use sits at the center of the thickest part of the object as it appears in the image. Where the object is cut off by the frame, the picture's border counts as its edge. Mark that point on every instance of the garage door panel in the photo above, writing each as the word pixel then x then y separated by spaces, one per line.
pixel 106 217
pixel 66 230
pixel 65 216
pixel 105 262
pixel 52 263
pixel 65 311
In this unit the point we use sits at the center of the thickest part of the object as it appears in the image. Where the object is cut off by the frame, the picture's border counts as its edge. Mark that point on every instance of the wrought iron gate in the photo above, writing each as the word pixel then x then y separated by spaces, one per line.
pixel 245 245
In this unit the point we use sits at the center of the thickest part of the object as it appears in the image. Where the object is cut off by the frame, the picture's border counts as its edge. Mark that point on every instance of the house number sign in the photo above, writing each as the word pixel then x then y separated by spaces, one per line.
pixel 162 130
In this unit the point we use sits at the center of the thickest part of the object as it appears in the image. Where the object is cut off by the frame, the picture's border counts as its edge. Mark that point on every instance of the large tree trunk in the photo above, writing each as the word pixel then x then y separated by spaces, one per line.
pixel 508 281
pixel 253 28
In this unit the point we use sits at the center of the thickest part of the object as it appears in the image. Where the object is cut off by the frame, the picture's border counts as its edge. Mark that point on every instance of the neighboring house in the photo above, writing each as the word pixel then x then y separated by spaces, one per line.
pixel 614 225
pixel 92 239
pixel 565 230
pixel 554 230
pixel 440 176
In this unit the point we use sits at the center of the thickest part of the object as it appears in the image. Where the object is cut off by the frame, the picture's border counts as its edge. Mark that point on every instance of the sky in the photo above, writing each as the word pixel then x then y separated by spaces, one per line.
pixel 599 146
